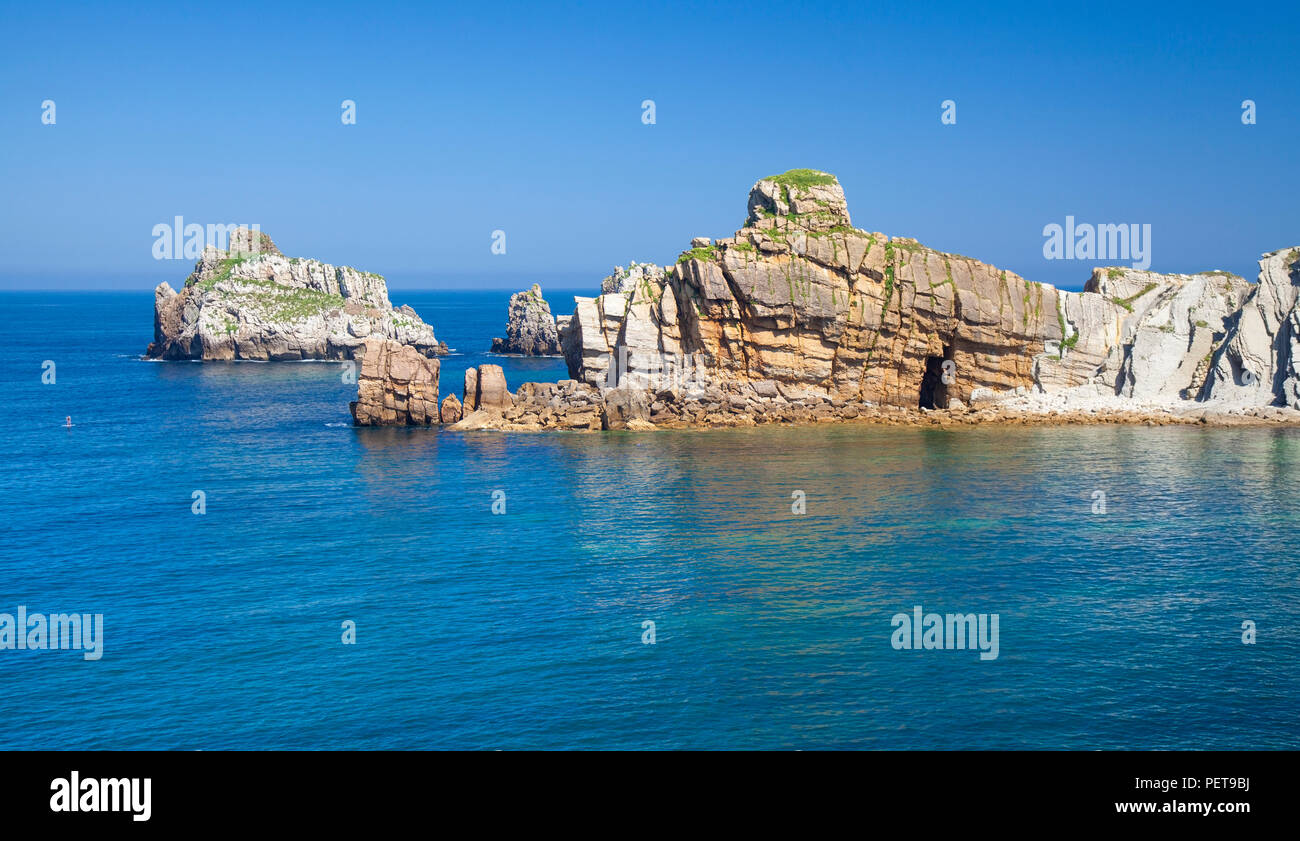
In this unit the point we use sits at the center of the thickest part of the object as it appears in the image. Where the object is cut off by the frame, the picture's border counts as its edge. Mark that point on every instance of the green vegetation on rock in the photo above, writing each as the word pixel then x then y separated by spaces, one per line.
pixel 704 253
pixel 802 179
pixel 1127 303
pixel 220 274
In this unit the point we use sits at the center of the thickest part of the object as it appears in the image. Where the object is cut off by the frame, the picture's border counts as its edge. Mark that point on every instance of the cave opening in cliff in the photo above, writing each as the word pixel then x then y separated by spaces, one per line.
pixel 934 392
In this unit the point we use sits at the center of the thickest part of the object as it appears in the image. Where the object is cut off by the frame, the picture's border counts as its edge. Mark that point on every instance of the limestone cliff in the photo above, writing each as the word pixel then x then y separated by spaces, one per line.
pixel 1140 334
pixel 252 302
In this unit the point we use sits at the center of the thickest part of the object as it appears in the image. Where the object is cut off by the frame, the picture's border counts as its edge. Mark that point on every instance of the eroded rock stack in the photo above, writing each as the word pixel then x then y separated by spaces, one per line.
pixel 530 327
pixel 252 302
pixel 396 386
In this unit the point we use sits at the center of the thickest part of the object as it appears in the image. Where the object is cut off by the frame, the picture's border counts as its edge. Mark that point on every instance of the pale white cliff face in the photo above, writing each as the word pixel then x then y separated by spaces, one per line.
pixel 1259 363
pixel 240 305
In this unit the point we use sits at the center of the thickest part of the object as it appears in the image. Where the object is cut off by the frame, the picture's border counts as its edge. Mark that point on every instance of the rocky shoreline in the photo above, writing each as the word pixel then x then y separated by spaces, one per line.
pixel 399 387
pixel 801 318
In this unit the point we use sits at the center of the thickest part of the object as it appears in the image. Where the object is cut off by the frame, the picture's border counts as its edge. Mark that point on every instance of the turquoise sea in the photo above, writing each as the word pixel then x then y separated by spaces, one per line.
pixel 524 629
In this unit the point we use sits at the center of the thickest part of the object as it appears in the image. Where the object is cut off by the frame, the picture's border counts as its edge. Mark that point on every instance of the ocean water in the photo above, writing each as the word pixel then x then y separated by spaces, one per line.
pixel 524 629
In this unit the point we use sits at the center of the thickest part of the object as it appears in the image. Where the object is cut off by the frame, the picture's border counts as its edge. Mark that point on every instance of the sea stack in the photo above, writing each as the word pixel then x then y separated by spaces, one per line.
pixel 530 327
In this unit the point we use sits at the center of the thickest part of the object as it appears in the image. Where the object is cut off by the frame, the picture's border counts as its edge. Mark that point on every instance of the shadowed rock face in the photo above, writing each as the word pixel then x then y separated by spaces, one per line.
pixel 530 327
pixel 397 386
pixel 252 302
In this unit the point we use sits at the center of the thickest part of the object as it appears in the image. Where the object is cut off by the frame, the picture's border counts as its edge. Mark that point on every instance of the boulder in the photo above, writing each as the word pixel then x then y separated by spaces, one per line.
pixel 624 405
pixel 491 390
pixel 451 411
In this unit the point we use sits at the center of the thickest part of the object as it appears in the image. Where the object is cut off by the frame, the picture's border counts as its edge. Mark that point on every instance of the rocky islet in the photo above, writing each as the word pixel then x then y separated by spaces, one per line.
pixel 251 302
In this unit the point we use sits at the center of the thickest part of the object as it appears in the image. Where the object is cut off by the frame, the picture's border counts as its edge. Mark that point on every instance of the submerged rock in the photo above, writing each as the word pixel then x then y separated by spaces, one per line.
pixel 530 329
pixel 252 302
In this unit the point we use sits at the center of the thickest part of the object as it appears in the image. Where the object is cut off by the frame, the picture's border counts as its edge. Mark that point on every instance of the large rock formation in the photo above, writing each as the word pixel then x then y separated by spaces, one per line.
pixel 397 385
pixel 802 318
pixel 252 302
pixel 530 327
pixel 1259 361
pixel 801 299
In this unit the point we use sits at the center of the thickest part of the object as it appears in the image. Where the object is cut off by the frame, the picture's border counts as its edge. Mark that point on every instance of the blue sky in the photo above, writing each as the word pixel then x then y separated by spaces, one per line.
pixel 527 118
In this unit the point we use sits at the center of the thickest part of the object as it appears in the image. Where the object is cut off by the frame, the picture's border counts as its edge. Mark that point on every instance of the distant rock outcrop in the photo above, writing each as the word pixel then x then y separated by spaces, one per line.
pixel 252 302
pixel 625 280
pixel 397 385
pixel 530 328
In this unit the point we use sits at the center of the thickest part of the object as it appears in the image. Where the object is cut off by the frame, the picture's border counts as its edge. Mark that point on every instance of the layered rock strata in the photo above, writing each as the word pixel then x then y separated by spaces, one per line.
pixel 800 317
